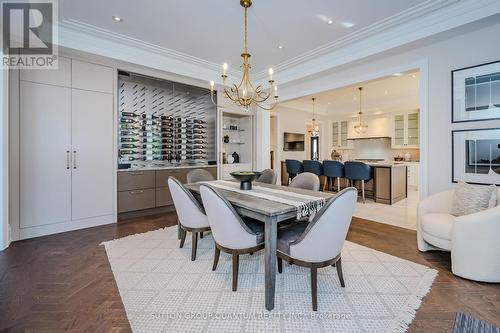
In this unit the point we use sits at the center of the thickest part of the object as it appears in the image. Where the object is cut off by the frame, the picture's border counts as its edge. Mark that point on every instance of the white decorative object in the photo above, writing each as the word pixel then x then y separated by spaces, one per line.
pixel 230 159
pixel 472 239
pixel 407 157
pixel 158 283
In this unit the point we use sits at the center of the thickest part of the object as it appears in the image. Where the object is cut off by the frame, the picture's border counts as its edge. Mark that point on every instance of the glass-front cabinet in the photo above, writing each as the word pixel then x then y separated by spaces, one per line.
pixel 339 134
pixel 406 130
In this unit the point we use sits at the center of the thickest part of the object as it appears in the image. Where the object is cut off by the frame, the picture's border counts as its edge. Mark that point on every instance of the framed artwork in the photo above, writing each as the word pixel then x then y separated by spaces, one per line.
pixel 476 156
pixel 475 93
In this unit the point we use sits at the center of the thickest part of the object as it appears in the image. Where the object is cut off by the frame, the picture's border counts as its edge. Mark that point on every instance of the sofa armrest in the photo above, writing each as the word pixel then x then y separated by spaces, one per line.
pixel 436 203
pixel 476 246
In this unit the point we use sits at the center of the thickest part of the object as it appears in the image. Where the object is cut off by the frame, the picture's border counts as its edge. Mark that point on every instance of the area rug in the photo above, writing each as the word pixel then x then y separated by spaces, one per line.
pixel 163 291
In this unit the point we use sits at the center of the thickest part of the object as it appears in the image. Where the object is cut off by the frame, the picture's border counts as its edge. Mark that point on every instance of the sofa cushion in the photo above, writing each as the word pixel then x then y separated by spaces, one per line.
pixel 470 199
pixel 437 229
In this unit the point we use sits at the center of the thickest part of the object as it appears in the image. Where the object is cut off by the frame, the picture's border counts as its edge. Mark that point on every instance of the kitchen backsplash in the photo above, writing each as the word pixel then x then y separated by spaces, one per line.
pixel 377 149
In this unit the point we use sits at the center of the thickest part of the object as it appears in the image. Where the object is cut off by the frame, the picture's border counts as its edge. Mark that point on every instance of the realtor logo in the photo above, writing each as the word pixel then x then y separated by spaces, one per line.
pixel 29 34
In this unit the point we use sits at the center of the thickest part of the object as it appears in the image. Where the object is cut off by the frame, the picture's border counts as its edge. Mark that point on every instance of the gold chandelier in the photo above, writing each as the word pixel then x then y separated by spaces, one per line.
pixel 245 93
pixel 315 126
pixel 360 127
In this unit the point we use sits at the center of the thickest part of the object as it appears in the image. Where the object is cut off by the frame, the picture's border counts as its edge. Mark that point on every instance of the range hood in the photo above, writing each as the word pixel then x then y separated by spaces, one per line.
pixel 370 138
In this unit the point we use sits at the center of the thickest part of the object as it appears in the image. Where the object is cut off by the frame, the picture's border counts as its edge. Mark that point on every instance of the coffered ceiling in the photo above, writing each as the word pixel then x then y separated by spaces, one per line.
pixel 213 30
pixel 399 92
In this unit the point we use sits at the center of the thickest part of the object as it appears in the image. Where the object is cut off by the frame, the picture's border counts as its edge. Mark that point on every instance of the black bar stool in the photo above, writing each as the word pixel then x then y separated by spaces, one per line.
pixel 293 167
pixel 359 171
pixel 333 169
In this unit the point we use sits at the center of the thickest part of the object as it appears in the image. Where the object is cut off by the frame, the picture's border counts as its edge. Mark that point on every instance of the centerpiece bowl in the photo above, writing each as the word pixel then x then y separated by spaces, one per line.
pixel 246 178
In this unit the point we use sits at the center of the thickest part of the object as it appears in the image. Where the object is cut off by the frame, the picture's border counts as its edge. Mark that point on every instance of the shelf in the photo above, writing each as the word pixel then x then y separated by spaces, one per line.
pixel 234 143
pixel 233 130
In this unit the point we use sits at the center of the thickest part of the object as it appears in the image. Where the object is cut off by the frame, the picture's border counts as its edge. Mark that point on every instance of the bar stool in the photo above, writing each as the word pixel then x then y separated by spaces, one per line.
pixel 333 169
pixel 313 166
pixel 293 167
pixel 359 171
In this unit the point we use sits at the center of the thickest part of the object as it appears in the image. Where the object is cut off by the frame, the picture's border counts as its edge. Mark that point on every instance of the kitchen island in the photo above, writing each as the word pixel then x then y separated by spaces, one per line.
pixel 389 182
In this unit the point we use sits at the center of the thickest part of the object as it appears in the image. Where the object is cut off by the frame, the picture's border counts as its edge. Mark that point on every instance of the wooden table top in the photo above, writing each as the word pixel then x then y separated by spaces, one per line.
pixel 248 204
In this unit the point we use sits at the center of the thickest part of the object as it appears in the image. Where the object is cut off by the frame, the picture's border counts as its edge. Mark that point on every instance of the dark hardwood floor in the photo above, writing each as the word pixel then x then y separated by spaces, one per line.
pixel 64 282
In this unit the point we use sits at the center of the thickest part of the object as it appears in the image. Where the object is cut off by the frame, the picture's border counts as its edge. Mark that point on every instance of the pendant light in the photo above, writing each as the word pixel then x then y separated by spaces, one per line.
pixel 315 125
pixel 360 127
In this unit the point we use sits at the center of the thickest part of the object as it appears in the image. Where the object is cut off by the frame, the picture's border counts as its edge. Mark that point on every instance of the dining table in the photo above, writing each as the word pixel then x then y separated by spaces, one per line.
pixel 269 212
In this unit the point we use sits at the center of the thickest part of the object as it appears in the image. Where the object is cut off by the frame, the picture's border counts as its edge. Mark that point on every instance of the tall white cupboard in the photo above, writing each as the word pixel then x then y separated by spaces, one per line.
pixel 66 148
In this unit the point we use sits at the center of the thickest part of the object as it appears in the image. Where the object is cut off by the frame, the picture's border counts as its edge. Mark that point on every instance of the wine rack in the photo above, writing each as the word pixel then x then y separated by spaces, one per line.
pixel 164 122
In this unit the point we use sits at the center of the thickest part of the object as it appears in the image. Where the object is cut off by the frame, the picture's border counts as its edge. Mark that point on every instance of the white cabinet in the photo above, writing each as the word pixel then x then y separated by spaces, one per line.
pixel 92 152
pixel 339 135
pixel 45 144
pixel 57 77
pixel 67 159
pixel 87 76
pixel 406 130
pixel 413 169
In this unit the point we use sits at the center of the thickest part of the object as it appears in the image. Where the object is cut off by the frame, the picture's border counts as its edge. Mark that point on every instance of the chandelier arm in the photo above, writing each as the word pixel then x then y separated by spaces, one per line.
pixel 218 105
pixel 262 95
pixel 267 109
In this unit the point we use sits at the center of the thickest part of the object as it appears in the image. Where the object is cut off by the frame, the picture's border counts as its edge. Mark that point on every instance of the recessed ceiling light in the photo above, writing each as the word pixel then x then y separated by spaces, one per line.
pixel 280 47
pixel 397 74
pixel 386 92
pixel 329 103
pixel 117 19
pixel 330 22
pixel 347 24
pixel 414 75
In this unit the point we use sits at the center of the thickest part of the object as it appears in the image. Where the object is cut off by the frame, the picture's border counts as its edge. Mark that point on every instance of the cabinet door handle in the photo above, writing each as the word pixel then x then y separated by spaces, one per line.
pixel 68 159
pixel 136 192
pixel 74 160
pixel 137 173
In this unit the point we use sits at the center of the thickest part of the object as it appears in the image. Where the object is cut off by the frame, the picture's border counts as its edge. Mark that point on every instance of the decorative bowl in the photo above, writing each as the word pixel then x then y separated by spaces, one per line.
pixel 246 178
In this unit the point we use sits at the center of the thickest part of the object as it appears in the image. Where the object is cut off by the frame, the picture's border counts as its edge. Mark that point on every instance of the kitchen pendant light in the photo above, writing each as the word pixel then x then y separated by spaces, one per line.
pixel 360 127
pixel 315 125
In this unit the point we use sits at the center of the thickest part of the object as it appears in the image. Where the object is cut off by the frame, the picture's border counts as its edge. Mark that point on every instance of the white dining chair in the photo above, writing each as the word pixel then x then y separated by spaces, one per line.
pixel 198 175
pixel 319 243
pixel 231 234
pixel 190 215
pixel 268 176
pixel 306 181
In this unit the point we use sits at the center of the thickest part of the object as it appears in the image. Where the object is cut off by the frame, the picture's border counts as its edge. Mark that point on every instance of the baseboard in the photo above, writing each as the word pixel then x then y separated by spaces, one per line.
pixel 49 229
pixel 123 217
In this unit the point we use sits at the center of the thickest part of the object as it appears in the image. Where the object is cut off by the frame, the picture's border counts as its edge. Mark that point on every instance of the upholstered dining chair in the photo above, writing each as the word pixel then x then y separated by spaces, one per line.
pixel 190 215
pixel 198 175
pixel 268 176
pixel 319 243
pixel 231 234
pixel 306 180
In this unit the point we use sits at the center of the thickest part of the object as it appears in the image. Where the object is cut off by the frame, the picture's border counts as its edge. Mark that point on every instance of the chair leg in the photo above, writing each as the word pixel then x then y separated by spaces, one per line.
pixel 194 245
pixel 314 287
pixel 183 238
pixel 179 230
pixel 324 184
pixel 216 258
pixel 201 234
pixel 363 190
pixel 236 262
pixel 338 183
pixel 339 272
pixel 280 265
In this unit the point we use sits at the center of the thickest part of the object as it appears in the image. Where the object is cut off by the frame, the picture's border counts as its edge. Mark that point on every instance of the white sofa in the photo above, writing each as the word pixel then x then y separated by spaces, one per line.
pixel 474 240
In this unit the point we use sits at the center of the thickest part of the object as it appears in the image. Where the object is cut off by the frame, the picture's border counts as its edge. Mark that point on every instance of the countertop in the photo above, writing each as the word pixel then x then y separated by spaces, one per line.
pixel 166 167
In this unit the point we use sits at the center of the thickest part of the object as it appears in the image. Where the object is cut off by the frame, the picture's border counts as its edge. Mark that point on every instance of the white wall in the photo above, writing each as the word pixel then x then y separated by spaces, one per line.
pixel 4 150
pixel 466 46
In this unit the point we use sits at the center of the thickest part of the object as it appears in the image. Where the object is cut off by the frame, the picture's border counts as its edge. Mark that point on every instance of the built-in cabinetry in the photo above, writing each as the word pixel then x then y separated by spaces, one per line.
pixel 413 173
pixel 405 130
pixel 339 135
pixel 143 190
pixel 66 148
pixel 236 137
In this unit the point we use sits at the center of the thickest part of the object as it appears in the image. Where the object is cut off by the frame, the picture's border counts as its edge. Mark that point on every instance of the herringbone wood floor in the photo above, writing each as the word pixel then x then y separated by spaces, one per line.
pixel 64 282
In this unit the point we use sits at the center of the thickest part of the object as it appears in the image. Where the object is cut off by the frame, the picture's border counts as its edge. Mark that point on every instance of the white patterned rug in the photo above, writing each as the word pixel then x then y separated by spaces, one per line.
pixel 163 291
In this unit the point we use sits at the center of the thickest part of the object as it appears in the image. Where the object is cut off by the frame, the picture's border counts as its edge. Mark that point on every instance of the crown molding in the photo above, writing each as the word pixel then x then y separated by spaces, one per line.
pixel 88 38
pixel 431 18
pixel 426 19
